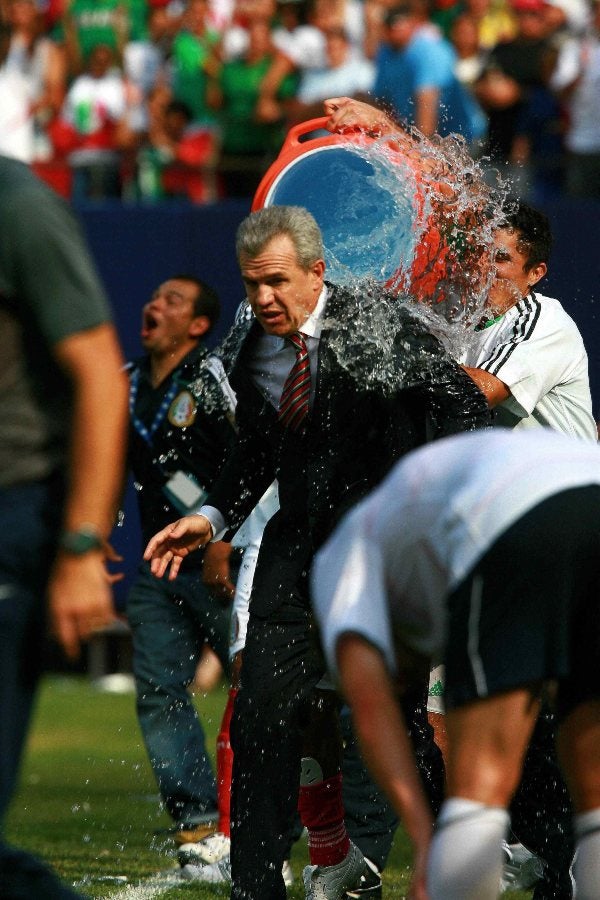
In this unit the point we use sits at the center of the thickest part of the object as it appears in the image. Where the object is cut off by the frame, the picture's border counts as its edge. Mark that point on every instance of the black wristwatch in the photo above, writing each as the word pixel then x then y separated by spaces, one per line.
pixel 82 540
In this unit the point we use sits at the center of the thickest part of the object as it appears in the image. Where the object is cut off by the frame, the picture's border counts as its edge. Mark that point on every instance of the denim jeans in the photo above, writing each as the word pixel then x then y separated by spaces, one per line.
pixel 170 622
pixel 29 523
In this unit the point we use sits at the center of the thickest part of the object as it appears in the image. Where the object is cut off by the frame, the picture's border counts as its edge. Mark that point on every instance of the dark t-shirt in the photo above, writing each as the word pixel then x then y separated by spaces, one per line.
pixel 192 434
pixel 524 61
pixel 49 290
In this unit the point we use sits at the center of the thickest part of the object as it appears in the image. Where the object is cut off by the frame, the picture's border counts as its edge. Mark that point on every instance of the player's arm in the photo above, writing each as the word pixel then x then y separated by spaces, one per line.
pixel 494 390
pixel 386 748
pixel 427 106
pixel 80 598
pixel 347 114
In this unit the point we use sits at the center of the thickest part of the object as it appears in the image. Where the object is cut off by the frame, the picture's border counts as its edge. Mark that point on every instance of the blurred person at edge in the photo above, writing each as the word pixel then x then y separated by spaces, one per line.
pixel 32 83
pixel 63 396
pixel 576 79
pixel 514 69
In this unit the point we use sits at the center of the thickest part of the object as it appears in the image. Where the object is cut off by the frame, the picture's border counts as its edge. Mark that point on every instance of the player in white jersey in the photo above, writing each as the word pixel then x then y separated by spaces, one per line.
pixel 536 350
pixel 528 356
pixel 529 359
pixel 486 547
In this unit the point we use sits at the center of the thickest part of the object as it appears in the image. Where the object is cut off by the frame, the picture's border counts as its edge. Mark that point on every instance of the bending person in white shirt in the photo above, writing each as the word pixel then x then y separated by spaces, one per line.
pixel 456 553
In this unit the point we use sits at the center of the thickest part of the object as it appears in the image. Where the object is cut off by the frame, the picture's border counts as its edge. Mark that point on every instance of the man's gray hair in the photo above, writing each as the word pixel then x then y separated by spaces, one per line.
pixel 297 223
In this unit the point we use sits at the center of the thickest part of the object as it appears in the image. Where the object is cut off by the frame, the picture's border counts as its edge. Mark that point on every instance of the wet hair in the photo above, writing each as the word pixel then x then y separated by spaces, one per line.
pixel 297 223
pixel 533 229
pixel 207 301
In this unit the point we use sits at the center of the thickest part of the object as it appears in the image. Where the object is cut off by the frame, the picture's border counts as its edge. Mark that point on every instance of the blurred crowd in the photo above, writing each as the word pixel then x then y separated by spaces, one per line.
pixel 147 99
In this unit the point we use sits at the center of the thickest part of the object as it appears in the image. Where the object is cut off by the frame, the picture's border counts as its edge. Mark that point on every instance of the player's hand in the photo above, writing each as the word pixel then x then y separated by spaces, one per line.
pixel 170 546
pixel 79 599
pixel 216 572
pixel 346 114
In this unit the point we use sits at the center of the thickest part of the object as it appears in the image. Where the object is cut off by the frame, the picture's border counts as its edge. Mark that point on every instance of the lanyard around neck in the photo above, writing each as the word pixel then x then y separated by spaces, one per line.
pixel 145 433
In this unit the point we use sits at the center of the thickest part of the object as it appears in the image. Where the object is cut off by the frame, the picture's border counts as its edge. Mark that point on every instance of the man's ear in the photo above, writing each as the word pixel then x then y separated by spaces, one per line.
pixel 199 326
pixel 536 273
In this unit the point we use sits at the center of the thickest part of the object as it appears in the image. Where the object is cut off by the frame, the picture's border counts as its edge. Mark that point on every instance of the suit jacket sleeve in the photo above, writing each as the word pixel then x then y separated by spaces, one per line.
pixel 247 473
pixel 452 400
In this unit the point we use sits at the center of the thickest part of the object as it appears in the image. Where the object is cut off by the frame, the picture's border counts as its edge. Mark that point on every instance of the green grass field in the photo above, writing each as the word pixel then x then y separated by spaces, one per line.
pixel 88 802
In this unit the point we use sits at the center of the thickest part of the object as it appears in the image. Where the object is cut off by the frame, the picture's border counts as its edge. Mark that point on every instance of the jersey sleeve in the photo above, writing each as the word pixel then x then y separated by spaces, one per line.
pixel 534 357
pixel 349 594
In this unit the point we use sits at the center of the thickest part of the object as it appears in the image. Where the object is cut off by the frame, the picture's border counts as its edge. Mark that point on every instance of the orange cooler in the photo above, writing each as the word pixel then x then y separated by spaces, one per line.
pixel 363 194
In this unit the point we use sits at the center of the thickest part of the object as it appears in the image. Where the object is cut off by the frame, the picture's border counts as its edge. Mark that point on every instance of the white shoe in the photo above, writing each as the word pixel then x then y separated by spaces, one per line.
pixel 220 872
pixel 521 870
pixel 288 875
pixel 332 882
pixel 214 873
pixel 210 849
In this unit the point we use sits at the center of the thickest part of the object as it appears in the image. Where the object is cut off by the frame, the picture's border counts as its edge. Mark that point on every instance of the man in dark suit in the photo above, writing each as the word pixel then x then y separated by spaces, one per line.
pixel 333 387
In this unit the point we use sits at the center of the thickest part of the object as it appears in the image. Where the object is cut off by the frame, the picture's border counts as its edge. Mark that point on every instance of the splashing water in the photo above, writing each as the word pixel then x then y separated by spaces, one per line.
pixel 412 214
pixel 355 194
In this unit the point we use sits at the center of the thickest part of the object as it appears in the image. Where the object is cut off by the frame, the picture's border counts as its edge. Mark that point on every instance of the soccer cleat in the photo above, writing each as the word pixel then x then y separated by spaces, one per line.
pixel 194 833
pixel 369 886
pixel 214 873
pixel 209 850
pixel 220 872
pixel 332 882
pixel 521 869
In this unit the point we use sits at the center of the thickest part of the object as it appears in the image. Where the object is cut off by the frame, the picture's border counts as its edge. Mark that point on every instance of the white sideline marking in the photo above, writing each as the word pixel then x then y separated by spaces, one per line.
pixel 154 886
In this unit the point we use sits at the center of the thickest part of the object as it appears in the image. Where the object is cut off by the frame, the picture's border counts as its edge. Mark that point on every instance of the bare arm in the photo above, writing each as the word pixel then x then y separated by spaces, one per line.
pixel 347 114
pixel 79 592
pixel 494 390
pixel 385 744
pixel 427 106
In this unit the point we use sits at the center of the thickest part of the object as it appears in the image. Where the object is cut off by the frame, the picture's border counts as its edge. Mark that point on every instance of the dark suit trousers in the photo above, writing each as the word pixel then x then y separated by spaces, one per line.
pixel 280 669
pixel 282 665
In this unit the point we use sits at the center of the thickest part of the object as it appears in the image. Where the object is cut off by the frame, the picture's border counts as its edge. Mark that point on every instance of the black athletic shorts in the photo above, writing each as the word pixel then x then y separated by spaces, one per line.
pixel 529 610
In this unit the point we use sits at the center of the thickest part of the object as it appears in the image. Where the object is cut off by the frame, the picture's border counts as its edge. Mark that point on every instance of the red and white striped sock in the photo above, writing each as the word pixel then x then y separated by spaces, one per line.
pixel 225 766
pixel 322 814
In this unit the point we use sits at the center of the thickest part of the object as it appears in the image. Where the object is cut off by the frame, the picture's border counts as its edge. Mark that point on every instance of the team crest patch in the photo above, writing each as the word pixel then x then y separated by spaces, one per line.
pixel 182 410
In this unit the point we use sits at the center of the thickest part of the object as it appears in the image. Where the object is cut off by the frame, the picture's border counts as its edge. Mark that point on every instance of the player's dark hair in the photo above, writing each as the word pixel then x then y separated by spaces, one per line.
pixel 533 229
pixel 207 302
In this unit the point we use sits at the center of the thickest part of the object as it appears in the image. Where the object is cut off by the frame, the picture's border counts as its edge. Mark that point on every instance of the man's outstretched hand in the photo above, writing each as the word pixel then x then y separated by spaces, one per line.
pixel 169 547
pixel 346 114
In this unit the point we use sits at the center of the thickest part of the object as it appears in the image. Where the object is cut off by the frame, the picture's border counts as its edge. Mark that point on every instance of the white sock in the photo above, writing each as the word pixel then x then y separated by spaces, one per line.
pixel 587 860
pixel 465 861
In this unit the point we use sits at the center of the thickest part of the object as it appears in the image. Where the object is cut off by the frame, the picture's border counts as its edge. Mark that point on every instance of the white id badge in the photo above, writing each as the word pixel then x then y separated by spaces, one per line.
pixel 184 493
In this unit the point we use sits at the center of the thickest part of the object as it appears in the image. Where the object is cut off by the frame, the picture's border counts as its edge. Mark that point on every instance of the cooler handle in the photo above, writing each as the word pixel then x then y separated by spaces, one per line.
pixel 296 131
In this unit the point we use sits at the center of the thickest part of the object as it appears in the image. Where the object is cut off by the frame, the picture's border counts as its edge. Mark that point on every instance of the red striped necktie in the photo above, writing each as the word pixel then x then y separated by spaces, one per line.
pixel 293 406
